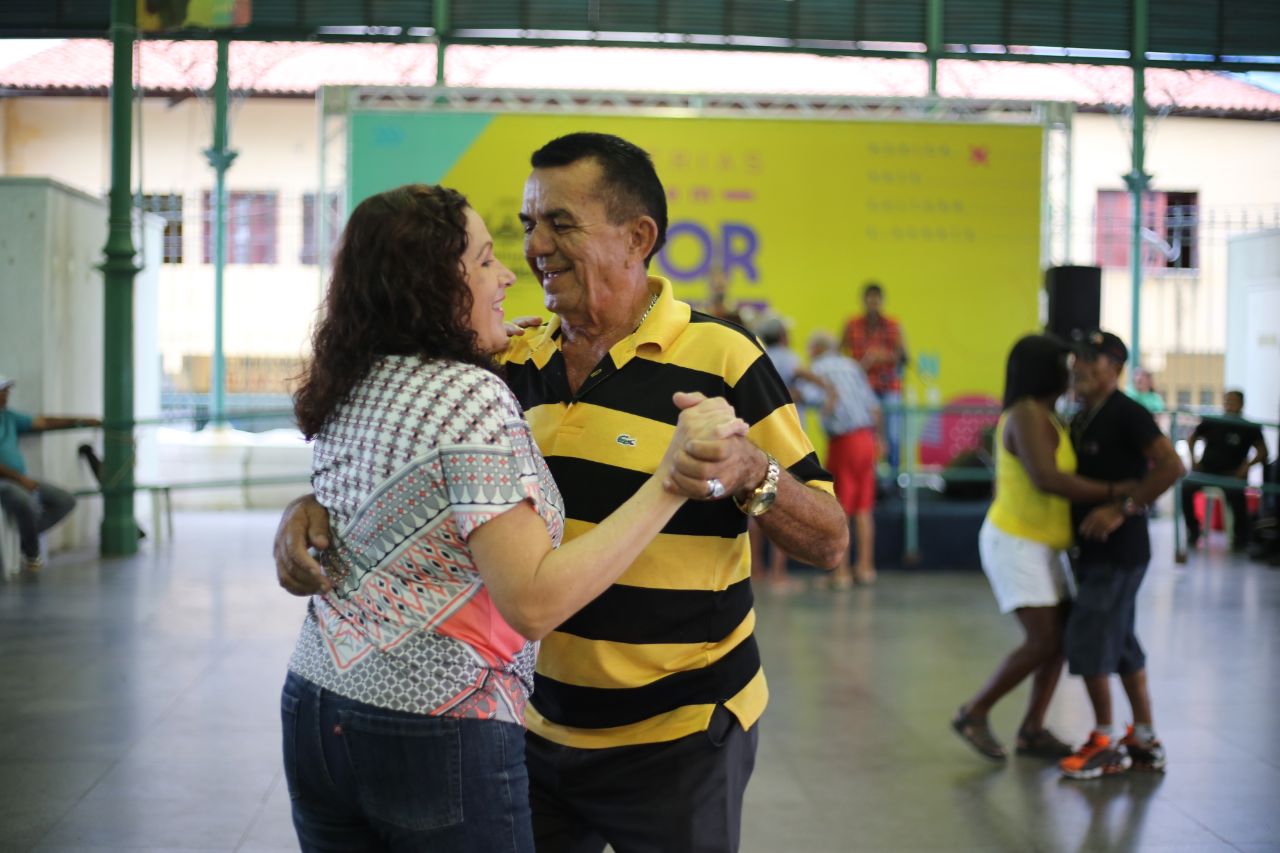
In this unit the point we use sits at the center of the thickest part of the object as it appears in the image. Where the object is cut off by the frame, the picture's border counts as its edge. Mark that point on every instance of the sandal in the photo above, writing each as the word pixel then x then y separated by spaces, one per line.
pixel 977 733
pixel 1042 744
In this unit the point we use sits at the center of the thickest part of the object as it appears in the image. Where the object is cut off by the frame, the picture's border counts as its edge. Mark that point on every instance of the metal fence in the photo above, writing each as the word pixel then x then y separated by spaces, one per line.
pixel 274 285
pixel 1184 292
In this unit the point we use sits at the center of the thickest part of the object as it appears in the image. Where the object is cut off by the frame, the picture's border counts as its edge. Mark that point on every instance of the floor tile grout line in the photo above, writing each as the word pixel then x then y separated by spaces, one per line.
pixel 117 761
pixel 261 811
pixel 1178 808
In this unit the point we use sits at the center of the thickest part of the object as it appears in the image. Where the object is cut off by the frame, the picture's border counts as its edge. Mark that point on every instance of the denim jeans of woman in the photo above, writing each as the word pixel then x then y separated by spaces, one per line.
pixel 368 779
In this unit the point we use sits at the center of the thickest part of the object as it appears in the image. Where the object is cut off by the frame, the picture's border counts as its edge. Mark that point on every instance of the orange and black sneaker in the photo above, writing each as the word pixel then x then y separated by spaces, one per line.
pixel 1098 757
pixel 1146 755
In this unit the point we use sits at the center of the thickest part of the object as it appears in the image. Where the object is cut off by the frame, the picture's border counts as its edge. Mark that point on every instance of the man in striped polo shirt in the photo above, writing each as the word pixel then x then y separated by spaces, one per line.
pixel 642 725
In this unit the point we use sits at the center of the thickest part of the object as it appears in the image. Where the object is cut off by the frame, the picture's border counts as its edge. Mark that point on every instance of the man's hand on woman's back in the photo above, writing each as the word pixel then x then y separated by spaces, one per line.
pixel 305 525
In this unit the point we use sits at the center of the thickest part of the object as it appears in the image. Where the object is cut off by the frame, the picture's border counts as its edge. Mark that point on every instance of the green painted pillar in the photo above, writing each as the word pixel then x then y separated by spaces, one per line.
pixel 1137 180
pixel 933 47
pixel 220 158
pixel 442 38
pixel 119 533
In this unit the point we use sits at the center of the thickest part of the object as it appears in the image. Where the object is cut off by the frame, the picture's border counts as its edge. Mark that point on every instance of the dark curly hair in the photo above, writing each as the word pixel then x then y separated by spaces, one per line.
pixel 1037 367
pixel 398 288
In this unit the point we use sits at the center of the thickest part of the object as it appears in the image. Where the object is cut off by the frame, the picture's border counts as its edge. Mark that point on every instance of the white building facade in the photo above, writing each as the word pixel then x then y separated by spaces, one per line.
pixel 1212 158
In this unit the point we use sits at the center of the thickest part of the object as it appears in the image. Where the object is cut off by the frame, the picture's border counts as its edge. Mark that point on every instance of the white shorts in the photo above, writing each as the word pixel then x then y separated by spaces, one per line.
pixel 1023 573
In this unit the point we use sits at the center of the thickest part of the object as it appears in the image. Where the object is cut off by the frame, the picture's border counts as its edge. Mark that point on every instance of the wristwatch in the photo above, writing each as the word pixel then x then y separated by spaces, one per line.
pixel 1132 507
pixel 760 500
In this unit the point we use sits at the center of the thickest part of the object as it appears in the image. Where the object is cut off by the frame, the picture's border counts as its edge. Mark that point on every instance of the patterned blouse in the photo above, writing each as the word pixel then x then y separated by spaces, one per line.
pixel 420 455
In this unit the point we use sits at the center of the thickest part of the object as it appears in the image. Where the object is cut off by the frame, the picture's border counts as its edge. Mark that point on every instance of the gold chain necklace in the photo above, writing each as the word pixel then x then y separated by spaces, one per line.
pixel 1085 419
pixel 645 315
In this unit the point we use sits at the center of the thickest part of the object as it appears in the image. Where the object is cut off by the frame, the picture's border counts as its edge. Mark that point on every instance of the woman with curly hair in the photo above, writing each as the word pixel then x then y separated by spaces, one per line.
pixel 404 704
pixel 1024 540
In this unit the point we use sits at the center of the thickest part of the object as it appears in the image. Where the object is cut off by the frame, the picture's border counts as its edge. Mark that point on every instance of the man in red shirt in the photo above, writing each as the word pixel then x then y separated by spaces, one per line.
pixel 876 342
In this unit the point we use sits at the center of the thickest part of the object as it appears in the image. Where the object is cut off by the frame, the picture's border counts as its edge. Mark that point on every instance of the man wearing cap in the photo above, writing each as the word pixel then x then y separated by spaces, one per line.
pixel 35 505
pixel 1115 439
pixel 773 333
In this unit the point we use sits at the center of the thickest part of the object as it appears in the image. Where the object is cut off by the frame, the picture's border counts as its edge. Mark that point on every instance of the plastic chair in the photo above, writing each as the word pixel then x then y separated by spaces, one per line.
pixel 1214 495
pixel 10 547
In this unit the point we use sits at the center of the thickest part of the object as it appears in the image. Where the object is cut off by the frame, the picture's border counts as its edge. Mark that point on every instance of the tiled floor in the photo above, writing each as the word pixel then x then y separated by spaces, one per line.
pixel 140 697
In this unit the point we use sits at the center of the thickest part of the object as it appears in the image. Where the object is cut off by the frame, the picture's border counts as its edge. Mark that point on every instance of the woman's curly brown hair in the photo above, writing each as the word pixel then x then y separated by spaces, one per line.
pixel 398 288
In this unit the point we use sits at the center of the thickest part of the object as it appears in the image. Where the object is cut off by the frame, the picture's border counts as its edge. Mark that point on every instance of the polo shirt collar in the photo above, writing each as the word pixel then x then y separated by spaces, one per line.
pixel 666 321
pixel 660 329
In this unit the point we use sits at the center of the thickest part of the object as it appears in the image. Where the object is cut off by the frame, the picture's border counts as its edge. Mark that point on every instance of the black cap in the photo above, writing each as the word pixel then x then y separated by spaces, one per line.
pixel 1098 342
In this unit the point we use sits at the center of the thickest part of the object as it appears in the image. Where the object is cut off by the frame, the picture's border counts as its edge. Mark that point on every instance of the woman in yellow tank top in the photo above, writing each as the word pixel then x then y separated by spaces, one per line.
pixel 1024 540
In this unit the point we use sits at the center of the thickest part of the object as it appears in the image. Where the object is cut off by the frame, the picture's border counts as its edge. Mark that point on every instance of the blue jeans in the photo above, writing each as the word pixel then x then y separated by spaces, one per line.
pixel 892 426
pixel 35 512
pixel 363 778
pixel 1100 638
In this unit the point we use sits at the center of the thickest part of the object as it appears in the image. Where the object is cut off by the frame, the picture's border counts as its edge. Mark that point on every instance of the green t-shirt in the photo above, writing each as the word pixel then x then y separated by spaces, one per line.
pixel 1149 400
pixel 12 425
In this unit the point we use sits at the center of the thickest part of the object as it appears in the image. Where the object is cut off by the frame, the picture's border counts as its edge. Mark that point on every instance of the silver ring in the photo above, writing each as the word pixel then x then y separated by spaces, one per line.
pixel 715 489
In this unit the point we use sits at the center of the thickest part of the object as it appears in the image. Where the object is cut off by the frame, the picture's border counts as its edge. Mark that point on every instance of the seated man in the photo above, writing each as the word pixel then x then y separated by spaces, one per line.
pixel 1228 441
pixel 34 505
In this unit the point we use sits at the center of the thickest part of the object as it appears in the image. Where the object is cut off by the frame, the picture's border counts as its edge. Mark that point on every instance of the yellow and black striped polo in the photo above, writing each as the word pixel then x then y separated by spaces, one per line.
pixel 650 659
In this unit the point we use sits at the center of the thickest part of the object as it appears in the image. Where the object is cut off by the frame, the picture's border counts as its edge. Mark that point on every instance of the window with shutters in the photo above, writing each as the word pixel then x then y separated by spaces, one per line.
pixel 251 227
pixel 311 228
pixel 1169 222
pixel 168 206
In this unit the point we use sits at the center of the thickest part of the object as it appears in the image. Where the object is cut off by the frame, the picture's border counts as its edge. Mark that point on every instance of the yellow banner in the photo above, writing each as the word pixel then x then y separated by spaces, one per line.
pixel 155 16
pixel 801 214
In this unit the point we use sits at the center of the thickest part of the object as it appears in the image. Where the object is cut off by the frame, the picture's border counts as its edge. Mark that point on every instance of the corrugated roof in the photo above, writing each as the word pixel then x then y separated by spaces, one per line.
pixel 299 68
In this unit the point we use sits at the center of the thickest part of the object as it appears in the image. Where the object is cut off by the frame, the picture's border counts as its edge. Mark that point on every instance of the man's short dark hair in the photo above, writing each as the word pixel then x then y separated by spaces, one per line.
pixel 631 181
pixel 872 287
pixel 1235 391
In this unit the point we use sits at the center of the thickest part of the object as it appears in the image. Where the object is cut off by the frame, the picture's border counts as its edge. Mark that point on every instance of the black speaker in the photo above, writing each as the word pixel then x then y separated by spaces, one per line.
pixel 1075 299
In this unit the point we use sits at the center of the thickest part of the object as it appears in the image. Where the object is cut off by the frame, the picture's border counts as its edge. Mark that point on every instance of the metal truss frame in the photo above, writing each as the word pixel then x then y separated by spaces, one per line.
pixel 337 103
pixel 743 105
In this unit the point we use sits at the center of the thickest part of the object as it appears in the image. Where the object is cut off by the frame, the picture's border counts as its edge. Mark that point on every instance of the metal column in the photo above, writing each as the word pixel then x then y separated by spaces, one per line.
pixel 933 46
pixel 1137 180
pixel 119 532
pixel 220 158
pixel 442 35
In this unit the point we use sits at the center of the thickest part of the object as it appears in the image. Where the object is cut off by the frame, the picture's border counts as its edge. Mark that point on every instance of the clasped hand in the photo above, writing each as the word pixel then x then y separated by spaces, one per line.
pixel 710 444
pixel 1102 521
pixel 704 428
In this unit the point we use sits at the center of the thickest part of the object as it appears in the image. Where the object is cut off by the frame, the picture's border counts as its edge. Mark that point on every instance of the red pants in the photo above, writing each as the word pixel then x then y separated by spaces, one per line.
pixel 851 459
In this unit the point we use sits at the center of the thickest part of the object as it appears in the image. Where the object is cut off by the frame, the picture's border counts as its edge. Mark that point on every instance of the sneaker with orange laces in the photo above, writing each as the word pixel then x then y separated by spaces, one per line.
pixel 1146 755
pixel 1098 757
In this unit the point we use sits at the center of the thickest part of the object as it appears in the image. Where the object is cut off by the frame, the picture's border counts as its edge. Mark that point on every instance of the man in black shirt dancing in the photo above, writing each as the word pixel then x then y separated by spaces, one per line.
pixel 1116 440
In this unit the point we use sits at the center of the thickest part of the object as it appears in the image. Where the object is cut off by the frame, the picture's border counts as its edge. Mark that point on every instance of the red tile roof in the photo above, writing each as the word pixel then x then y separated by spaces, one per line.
pixel 268 68
pixel 298 68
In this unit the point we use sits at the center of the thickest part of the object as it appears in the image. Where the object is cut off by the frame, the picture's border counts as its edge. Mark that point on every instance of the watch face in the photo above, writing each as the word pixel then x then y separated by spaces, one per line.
pixel 763 503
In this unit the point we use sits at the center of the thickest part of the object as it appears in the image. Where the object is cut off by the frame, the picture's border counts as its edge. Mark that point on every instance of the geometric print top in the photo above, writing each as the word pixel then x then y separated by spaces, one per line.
pixel 420 455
